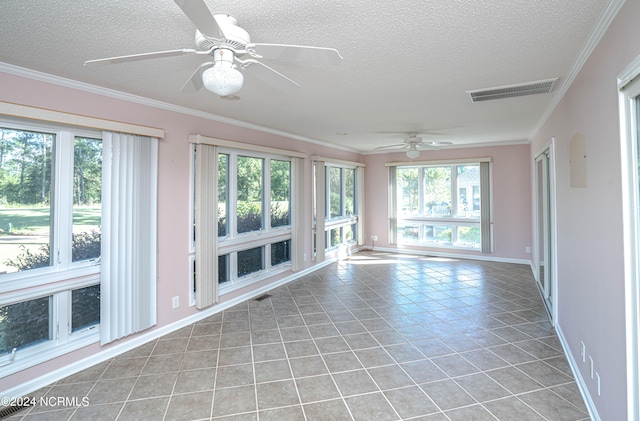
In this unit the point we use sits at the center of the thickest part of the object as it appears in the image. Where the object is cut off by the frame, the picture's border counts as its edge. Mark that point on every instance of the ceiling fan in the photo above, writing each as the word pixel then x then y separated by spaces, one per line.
pixel 228 48
pixel 414 144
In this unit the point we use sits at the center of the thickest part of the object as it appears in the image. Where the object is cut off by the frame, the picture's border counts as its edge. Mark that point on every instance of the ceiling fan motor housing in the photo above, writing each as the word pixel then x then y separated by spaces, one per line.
pixel 231 35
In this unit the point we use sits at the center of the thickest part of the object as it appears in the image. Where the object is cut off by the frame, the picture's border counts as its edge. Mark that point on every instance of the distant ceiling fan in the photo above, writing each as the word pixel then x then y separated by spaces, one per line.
pixel 414 144
pixel 230 47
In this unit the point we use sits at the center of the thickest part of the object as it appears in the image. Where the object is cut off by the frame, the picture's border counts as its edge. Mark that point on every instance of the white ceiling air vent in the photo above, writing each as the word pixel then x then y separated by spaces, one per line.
pixel 509 91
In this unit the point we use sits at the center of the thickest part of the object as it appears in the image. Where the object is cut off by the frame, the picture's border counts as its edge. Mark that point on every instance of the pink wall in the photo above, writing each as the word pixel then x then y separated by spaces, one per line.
pixel 590 266
pixel 511 197
pixel 173 182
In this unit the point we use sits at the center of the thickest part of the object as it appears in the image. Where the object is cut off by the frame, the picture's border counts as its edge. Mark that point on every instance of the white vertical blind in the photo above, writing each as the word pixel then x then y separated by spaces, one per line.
pixel 129 223
pixel 207 225
pixel 360 203
pixel 298 212
pixel 486 228
pixel 320 210
pixel 393 206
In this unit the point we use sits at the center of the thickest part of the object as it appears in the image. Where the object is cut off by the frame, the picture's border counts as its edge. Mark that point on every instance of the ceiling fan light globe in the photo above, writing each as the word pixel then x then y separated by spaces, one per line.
pixel 413 153
pixel 222 80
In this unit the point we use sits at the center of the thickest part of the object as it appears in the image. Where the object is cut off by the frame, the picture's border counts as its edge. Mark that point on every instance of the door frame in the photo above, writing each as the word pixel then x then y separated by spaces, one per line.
pixel 550 291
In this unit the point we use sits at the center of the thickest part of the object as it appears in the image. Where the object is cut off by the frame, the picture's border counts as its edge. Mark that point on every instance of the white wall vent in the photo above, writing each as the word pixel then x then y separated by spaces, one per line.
pixel 510 91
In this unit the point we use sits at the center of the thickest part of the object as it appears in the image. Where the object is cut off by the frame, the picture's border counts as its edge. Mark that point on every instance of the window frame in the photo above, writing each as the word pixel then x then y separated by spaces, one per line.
pixel 234 242
pixel 62 210
pixel 342 220
pixel 452 221
pixel 63 276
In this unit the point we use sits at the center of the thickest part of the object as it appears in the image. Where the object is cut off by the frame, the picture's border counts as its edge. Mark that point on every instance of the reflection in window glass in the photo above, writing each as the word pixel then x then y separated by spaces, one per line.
pixel 87 197
pixel 280 252
pixel 408 198
pixel 223 202
pixel 280 193
pixel 334 237
pixel 250 261
pixel 250 173
pixel 24 324
pixel 85 307
pixel 223 269
pixel 335 192
pixel 437 191
pixel 26 160
pixel 350 191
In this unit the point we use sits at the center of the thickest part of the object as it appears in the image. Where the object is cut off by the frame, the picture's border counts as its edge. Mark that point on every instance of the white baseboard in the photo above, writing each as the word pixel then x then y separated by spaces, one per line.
pixel 586 396
pixel 32 385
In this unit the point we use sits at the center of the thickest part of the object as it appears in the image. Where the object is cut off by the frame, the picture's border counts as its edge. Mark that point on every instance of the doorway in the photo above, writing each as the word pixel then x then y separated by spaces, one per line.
pixel 544 250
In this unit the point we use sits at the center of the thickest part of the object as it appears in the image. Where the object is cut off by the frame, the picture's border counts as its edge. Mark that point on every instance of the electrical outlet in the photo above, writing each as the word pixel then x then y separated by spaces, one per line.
pixel 527 249
pixel 176 301
pixel 374 238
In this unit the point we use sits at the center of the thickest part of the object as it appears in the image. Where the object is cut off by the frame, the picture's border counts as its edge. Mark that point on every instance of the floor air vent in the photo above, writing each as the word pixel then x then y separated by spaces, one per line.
pixel 510 91
pixel 7 411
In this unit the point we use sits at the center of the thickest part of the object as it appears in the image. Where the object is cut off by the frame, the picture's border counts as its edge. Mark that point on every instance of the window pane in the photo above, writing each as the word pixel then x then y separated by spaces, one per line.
pixel 408 199
pixel 223 171
pixel 437 191
pixel 350 191
pixel 334 237
pixel 335 192
pixel 250 261
pixel 250 173
pixel 349 232
pixel 437 233
pixel 468 237
pixel 25 199
pixel 85 307
pixel 87 194
pixel 468 182
pixel 23 324
pixel 280 252
pixel 223 269
pixel 280 193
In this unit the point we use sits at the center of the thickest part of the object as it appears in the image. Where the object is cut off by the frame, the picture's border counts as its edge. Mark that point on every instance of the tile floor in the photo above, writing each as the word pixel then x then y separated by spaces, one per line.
pixel 378 337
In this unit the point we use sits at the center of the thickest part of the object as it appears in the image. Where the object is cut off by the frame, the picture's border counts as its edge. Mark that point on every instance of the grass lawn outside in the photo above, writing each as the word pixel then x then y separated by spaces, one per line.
pixel 30 227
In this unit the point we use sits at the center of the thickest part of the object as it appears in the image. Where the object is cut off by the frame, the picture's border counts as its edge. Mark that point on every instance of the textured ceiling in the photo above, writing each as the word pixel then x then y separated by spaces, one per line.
pixel 407 64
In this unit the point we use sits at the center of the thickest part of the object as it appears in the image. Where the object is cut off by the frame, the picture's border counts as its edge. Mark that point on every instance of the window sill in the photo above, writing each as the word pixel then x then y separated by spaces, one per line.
pixel 37 354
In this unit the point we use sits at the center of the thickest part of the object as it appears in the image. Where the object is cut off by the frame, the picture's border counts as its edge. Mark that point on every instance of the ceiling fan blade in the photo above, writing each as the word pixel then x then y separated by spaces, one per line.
pixel 269 75
pixel 399 145
pixel 318 55
pixel 143 56
pixel 194 83
pixel 198 13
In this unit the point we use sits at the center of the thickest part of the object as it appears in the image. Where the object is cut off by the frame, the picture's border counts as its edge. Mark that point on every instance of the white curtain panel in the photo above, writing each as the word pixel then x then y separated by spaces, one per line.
pixel 486 223
pixel 207 225
pixel 129 233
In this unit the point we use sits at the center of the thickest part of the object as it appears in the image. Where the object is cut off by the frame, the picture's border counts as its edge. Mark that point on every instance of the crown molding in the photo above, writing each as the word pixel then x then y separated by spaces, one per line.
pixel 123 96
pixel 592 42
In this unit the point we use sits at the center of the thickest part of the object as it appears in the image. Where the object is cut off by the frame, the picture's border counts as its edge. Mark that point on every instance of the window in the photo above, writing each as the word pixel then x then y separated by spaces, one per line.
pixel 341 217
pixel 439 205
pixel 50 238
pixel 254 209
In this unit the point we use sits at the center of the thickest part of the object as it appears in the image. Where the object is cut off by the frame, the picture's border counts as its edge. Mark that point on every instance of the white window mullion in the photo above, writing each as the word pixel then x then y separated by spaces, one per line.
pixel 62 308
pixel 62 223
pixel 233 267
